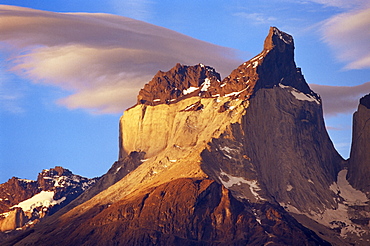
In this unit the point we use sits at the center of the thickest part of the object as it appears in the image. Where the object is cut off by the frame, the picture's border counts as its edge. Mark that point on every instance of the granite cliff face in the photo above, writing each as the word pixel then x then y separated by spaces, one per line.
pixel 245 160
pixel 359 162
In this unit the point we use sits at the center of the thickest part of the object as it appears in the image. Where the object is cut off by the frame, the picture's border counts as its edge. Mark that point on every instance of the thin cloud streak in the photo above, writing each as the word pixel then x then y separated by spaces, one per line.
pixel 137 9
pixel 345 4
pixel 256 18
pixel 340 99
pixel 102 59
pixel 348 35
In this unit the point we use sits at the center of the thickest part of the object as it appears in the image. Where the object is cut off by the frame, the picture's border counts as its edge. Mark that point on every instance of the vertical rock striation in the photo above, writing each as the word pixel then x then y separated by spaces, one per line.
pixel 359 161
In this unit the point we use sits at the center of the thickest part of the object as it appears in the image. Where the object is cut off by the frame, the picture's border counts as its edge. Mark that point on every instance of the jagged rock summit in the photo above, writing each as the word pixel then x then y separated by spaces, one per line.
pixel 24 202
pixel 245 160
pixel 273 66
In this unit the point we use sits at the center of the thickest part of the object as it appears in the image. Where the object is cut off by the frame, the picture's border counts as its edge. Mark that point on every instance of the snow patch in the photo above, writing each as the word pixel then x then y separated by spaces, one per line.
pixel 300 95
pixel 117 170
pixel 256 57
pixel 42 199
pixel 26 180
pixel 227 151
pixel 206 84
pixel 232 180
pixel 255 64
pixel 4 215
pixel 59 181
pixel 191 106
pixel 350 195
pixel 338 218
pixel 189 90
pixel 287 39
pixel 236 93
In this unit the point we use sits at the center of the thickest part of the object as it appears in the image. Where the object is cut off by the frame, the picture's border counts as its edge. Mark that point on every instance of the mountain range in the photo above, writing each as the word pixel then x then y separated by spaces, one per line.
pixel 243 160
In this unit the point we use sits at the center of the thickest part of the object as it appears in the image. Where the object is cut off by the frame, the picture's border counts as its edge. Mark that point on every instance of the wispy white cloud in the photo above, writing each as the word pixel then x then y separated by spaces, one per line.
pixel 9 102
pixel 256 18
pixel 340 99
pixel 103 60
pixel 137 9
pixel 348 33
pixel 10 95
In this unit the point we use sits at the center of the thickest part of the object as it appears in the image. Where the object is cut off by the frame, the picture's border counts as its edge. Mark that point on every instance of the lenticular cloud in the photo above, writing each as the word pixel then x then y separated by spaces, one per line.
pixel 102 59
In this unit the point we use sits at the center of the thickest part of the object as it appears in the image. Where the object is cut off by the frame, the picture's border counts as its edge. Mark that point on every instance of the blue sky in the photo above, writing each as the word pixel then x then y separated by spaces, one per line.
pixel 67 76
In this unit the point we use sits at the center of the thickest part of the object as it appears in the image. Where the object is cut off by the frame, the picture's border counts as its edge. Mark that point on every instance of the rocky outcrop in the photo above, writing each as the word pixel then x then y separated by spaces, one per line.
pixel 178 83
pixel 27 201
pixel 16 190
pixel 12 219
pixel 359 161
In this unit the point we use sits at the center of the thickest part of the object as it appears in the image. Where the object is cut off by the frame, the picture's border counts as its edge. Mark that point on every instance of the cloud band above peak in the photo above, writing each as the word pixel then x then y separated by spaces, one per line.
pixel 101 58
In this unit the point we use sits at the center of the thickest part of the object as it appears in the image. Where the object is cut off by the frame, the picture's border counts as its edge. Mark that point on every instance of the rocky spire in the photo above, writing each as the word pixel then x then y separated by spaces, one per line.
pixel 278 64
pixel 359 161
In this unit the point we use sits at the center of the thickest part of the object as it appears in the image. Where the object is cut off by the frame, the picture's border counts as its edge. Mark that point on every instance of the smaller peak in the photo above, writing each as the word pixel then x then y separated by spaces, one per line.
pixel 278 38
pixel 56 171
pixel 179 82
pixel 178 65
pixel 365 101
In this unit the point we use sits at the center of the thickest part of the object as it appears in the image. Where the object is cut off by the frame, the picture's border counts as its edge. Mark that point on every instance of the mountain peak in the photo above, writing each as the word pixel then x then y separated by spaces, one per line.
pixel 365 101
pixel 178 83
pixel 278 38
pixel 278 66
pixel 273 66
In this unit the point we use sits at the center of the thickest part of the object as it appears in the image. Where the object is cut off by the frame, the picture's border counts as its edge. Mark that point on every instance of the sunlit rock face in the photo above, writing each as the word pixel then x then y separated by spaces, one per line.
pixel 359 161
pixel 262 117
pixel 185 211
pixel 243 160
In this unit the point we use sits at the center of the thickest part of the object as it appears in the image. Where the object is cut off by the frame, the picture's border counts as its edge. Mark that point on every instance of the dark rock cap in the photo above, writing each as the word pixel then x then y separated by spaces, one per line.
pixel 365 100
pixel 278 64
